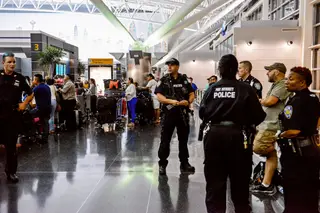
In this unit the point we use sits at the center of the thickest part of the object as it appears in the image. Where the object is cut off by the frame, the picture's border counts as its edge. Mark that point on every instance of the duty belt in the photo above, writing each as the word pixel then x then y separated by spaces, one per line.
pixel 225 123
pixel 296 144
pixel 304 142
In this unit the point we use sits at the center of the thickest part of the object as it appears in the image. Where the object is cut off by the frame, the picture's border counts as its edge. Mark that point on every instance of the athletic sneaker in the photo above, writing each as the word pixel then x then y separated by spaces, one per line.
pixel 270 190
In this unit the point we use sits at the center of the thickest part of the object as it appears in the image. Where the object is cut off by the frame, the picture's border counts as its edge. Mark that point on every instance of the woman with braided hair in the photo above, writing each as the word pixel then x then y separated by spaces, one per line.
pixel 299 144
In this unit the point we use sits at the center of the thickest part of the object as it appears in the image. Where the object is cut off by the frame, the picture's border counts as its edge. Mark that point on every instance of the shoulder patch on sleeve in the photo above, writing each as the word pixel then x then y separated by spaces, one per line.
pixel 257 86
pixel 288 110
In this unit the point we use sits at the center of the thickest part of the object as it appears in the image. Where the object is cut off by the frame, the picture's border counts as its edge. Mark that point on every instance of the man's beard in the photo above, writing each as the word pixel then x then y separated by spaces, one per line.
pixel 271 80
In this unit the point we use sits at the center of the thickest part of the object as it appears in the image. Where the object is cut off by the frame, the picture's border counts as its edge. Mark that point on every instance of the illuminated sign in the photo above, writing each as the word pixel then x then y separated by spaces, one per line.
pixel 36 46
pixel 100 61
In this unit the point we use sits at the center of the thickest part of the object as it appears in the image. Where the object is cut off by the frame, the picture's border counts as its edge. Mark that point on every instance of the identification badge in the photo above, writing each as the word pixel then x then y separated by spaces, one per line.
pixel 169 107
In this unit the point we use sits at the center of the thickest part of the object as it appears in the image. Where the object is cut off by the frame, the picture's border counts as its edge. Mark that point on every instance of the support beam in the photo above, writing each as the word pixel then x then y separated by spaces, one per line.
pixel 265 10
pixel 205 40
pixel 204 28
pixel 306 23
pixel 175 18
pixel 106 12
pixel 189 21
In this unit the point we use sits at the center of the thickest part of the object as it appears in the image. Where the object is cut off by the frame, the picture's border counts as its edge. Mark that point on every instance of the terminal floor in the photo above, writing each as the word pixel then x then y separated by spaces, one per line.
pixel 94 172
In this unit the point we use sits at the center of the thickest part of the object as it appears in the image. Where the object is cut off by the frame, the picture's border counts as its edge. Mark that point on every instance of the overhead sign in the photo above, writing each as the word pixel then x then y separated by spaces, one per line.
pixel 100 61
pixel 36 46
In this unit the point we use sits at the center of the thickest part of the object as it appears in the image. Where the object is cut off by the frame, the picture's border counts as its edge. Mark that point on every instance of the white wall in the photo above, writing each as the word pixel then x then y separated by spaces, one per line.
pixel 201 69
pixel 269 45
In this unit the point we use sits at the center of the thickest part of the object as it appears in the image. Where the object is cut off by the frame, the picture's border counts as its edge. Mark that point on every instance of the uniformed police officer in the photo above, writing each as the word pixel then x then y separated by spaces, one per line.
pixel 244 73
pixel 299 145
pixel 175 93
pixel 12 85
pixel 227 108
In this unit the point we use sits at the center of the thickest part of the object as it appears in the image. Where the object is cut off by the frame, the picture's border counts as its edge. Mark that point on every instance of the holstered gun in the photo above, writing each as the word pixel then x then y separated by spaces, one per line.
pixel 250 132
pixel 200 135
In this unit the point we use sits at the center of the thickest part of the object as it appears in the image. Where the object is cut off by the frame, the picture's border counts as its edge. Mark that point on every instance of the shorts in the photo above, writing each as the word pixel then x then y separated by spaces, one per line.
pixel 264 142
pixel 156 103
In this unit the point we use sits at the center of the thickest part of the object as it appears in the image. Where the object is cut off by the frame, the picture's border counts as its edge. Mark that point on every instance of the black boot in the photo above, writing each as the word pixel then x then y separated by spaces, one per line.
pixel 185 167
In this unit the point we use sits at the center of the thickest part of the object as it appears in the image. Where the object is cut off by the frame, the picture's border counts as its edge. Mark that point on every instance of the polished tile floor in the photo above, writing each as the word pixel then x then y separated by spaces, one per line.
pixel 95 172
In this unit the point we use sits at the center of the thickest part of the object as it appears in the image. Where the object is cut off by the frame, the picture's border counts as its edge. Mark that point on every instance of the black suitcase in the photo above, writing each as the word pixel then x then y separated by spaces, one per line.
pixel 108 103
pixel 107 117
pixel 107 110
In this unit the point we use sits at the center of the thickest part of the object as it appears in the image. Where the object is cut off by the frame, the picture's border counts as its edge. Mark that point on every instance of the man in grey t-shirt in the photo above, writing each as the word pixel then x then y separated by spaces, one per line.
pixel 265 139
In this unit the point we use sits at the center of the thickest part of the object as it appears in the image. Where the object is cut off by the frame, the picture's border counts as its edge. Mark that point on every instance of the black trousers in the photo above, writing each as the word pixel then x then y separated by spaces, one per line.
pixel 169 121
pixel 300 181
pixel 69 114
pixel 225 156
pixel 93 103
pixel 44 121
pixel 9 129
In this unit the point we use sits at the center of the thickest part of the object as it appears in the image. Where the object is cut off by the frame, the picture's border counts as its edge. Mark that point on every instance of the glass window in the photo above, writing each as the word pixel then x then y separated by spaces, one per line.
pixel 317 18
pixel 316 56
pixel 297 4
pixel 274 4
pixel 315 84
pixel 288 8
pixel 317 35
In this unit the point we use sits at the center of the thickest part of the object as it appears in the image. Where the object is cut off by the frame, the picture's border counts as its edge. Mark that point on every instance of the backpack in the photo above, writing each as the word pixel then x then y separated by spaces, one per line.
pixel 258 175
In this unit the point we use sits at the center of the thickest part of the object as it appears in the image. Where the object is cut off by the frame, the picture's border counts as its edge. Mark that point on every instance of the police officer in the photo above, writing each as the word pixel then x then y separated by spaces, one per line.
pixel 244 73
pixel 299 145
pixel 12 85
pixel 175 93
pixel 227 108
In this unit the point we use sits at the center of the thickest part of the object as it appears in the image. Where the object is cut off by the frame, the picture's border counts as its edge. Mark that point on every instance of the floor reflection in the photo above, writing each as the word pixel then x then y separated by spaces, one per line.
pixel 182 204
pixel 84 170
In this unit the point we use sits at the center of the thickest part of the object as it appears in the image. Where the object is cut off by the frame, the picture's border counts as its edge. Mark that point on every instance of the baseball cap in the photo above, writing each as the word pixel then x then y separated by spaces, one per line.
pixel 173 61
pixel 278 66
pixel 213 76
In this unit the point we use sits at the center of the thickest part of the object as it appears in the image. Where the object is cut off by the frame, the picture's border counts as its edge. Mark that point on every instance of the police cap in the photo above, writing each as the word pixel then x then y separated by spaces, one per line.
pixel 173 61
pixel 277 66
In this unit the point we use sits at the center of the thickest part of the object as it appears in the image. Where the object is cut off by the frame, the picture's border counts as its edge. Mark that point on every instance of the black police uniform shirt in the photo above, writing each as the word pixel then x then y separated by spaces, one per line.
pixel 301 112
pixel 255 84
pixel 181 86
pixel 11 89
pixel 231 100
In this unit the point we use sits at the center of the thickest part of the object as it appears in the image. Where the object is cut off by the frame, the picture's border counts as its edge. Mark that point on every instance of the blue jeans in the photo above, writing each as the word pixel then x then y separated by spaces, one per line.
pixel 132 108
pixel 53 111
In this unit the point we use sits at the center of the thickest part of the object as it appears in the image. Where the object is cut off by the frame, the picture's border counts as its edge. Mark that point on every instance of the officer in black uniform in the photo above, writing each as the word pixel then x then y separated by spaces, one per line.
pixel 12 85
pixel 227 108
pixel 244 73
pixel 299 144
pixel 175 93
